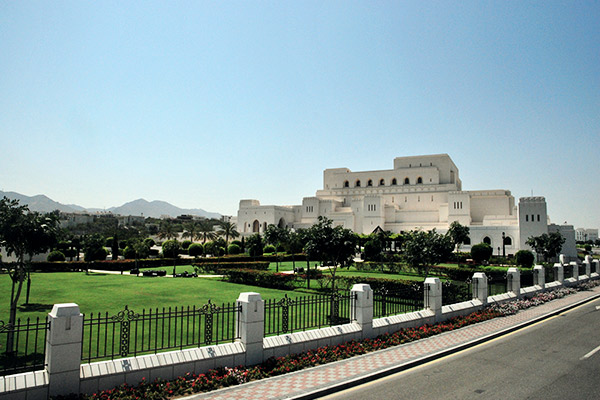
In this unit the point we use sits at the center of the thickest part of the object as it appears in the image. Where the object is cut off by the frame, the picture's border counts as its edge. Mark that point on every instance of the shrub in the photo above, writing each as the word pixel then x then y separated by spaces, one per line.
pixel 186 244
pixel 525 258
pixel 56 256
pixel 170 249
pixel 149 242
pixel 129 253
pixel 269 249
pixel 481 252
pixel 266 279
pixel 234 249
pixel 195 250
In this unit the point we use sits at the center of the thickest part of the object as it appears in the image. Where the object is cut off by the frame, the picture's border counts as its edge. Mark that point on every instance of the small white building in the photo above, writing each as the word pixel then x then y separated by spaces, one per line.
pixel 583 234
pixel 420 192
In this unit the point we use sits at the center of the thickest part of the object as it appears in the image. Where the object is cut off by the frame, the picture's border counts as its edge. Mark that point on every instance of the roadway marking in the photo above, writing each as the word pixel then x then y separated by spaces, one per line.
pixel 591 353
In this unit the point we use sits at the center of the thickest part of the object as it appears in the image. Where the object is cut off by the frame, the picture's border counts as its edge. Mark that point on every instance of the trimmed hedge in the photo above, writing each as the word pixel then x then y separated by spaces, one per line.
pixel 265 279
pixel 221 267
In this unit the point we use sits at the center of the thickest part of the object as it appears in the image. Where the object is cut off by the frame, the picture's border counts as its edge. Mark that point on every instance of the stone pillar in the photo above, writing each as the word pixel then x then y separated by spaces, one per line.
pixel 596 264
pixel 63 349
pixel 575 270
pixel 480 287
pixel 252 326
pixel 588 268
pixel 363 308
pixel 433 296
pixel 559 273
pixel 562 259
pixel 513 284
pixel 539 276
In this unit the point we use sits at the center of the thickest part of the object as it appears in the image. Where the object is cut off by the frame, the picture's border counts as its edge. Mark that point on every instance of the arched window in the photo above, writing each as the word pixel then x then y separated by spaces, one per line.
pixel 255 226
pixel 394 181
pixel 370 182
pixel 264 226
pixel 346 184
pixel 281 223
pixel 406 181
pixel 507 241
pixel 467 240
pixel 357 183
pixel 382 182
pixel 487 240
pixel 419 180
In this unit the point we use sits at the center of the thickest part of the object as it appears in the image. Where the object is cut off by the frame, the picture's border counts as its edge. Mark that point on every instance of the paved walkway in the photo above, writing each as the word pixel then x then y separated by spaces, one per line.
pixel 325 379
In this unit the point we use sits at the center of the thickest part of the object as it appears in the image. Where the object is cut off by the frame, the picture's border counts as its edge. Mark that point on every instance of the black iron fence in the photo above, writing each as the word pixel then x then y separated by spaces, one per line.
pixel 22 345
pixel 289 315
pixel 498 284
pixel 129 333
pixel 392 302
pixel 456 292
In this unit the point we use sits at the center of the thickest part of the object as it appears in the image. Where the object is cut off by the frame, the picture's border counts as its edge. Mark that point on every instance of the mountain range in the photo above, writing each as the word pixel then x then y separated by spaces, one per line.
pixel 156 208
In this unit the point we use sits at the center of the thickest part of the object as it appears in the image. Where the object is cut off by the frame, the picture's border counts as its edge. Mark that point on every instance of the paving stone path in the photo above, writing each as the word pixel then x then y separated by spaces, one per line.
pixel 313 382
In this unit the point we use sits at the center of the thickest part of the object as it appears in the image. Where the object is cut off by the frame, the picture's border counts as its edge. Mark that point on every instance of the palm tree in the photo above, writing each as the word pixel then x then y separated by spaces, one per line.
pixel 206 229
pixel 167 230
pixel 228 229
pixel 190 229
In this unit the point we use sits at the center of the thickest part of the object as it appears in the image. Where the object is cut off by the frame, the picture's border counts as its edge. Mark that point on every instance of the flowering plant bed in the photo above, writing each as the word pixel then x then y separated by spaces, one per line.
pixel 225 377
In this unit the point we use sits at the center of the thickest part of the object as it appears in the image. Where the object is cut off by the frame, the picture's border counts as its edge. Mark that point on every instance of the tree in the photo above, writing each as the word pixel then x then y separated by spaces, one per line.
pixel 548 245
pixel 333 246
pixel 190 230
pixel 170 249
pixel 167 230
pixel 229 230
pixel 93 248
pixel 195 249
pixel 24 234
pixel 424 249
pixel 276 236
pixel 254 244
pixel 481 252
pixel 206 228
pixel 459 234
pixel 524 258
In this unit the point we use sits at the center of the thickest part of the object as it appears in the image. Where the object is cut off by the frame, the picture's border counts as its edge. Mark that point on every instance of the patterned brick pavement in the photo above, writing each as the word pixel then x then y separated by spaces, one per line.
pixel 308 382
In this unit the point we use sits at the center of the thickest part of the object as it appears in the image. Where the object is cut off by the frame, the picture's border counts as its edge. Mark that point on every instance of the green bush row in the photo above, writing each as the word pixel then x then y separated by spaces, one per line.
pixel 264 279
pixel 221 267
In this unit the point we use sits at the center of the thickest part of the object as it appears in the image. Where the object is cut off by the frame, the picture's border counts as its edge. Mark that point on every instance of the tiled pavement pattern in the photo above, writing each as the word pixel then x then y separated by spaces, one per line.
pixel 301 383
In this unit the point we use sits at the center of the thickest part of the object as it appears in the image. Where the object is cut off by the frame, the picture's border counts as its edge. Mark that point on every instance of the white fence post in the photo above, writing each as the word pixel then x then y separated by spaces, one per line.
pixel 559 273
pixel 363 308
pixel 480 287
pixel 433 296
pixel 539 276
pixel 252 326
pixel 63 349
pixel 514 281
pixel 596 264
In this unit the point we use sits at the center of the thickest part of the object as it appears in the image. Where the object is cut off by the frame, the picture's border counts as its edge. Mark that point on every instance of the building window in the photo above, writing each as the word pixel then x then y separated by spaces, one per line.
pixel 370 182
pixel 394 181
pixel 538 217
pixel 487 240
pixel 382 182
pixel 507 241
pixel 357 183
pixel 406 181
pixel 526 217
pixel 346 184
pixel 431 198
pixel 419 180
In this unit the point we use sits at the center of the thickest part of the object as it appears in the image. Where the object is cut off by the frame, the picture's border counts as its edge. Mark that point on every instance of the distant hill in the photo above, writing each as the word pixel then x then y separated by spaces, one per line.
pixel 156 209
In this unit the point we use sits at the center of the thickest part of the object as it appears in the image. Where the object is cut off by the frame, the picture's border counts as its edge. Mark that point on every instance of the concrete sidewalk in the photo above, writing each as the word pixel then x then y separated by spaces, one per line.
pixel 319 381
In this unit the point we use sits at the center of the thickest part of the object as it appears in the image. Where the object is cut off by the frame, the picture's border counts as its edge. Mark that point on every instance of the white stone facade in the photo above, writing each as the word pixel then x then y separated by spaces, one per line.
pixel 420 192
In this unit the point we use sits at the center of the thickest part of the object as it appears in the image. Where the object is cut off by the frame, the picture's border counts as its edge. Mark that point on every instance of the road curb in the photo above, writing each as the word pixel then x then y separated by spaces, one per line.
pixel 434 356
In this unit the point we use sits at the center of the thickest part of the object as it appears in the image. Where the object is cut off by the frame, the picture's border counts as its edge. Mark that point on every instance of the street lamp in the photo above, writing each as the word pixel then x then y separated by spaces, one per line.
pixel 503 245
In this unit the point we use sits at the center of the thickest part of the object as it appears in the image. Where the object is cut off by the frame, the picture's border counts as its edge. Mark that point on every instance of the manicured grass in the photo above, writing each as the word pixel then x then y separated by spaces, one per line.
pixel 111 293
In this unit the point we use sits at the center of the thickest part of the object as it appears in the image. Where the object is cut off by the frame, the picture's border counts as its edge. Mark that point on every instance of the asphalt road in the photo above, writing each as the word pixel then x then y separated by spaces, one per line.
pixel 558 358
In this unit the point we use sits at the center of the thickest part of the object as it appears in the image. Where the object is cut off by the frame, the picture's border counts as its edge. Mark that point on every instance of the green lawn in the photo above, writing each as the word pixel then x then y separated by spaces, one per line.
pixel 111 293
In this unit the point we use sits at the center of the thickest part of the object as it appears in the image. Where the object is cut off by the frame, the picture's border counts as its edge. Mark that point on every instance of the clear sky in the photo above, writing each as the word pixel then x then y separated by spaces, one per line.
pixel 204 103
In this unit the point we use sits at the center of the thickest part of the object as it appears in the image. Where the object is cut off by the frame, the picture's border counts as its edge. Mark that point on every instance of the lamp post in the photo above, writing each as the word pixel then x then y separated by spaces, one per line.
pixel 503 245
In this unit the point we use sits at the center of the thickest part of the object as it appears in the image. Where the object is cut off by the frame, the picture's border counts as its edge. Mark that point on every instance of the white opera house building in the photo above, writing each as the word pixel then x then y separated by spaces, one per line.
pixel 420 192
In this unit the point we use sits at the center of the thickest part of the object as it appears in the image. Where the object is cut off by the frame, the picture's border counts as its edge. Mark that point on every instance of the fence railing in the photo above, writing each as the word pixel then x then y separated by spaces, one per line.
pixel 392 302
pixel 129 333
pixel 456 292
pixel 289 315
pixel 497 285
pixel 22 345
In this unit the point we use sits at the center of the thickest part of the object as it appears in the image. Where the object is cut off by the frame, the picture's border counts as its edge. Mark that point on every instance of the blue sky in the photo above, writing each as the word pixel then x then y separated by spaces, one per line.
pixel 202 104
